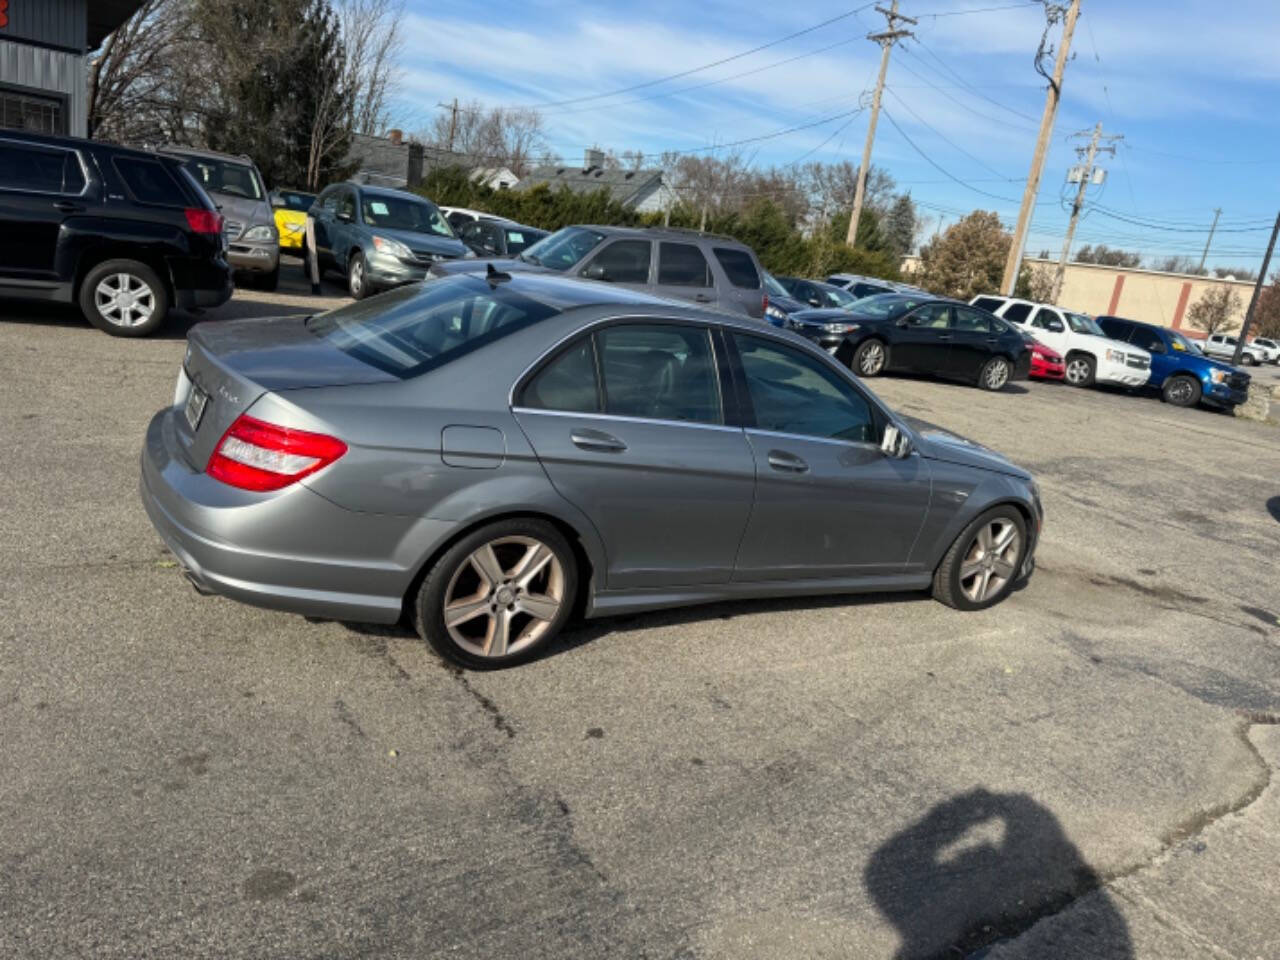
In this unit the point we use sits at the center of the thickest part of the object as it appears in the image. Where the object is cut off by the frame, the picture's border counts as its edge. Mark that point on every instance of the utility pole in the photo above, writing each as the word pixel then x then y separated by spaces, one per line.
pixel 886 39
pixel 1205 256
pixel 1014 261
pixel 1088 155
pixel 453 120
pixel 1257 292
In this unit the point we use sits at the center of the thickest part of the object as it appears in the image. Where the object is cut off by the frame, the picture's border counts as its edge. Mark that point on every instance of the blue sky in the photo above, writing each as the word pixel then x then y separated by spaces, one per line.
pixel 1192 88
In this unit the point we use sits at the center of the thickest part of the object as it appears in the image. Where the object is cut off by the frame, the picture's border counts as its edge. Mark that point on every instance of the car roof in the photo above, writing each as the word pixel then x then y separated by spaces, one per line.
pixel 659 233
pixel 386 191
pixel 57 140
pixel 197 152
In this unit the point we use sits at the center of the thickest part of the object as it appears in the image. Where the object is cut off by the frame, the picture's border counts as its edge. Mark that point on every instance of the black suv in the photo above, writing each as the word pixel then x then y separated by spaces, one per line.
pixel 124 233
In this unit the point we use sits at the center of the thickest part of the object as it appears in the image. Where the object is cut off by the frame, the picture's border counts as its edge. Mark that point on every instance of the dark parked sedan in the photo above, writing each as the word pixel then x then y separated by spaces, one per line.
pixel 485 454
pixel 498 238
pixel 818 294
pixel 922 334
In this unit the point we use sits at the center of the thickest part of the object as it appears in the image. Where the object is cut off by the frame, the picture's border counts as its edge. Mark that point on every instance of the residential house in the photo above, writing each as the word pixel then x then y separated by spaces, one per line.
pixel 642 190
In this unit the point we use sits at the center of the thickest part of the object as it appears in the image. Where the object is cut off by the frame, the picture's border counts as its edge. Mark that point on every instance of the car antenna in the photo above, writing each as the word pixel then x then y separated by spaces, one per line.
pixel 495 276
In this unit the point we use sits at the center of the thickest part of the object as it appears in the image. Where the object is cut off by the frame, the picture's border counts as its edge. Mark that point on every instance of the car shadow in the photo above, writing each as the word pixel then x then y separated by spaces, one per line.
pixel 1012 387
pixel 1273 508
pixel 983 867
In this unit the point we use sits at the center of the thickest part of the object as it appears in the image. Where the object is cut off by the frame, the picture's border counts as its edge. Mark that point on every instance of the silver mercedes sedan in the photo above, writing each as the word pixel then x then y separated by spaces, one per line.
pixel 486 455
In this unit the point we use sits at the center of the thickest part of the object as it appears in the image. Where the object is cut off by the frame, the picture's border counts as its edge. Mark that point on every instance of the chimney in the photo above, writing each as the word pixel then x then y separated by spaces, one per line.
pixel 593 159
pixel 396 137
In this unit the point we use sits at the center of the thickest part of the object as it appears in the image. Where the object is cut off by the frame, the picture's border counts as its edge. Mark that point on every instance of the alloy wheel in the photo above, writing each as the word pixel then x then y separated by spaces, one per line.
pixel 997 375
pixel 1180 391
pixel 1077 370
pixel 357 277
pixel 504 596
pixel 989 560
pixel 124 299
pixel 871 359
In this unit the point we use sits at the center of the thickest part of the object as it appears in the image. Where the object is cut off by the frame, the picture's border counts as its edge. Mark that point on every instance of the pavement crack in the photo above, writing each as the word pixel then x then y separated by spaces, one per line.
pixel 500 722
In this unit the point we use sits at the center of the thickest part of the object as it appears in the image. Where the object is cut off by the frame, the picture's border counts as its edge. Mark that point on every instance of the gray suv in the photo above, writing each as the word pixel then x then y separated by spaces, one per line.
pixel 234 183
pixel 379 237
pixel 704 268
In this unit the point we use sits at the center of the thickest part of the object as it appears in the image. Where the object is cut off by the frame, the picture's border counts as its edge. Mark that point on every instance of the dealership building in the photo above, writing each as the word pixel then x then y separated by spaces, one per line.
pixel 44 60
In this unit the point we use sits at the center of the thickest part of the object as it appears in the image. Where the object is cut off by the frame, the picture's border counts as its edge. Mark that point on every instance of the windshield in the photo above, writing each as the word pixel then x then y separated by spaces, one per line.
pixel 521 239
pixel 416 328
pixel 837 297
pixel 564 248
pixel 887 304
pixel 1082 324
pixel 774 288
pixel 404 213
pixel 227 177
pixel 1179 342
pixel 298 202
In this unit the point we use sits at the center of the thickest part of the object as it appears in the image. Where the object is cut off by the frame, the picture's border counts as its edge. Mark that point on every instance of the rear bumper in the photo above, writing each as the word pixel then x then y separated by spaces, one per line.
pixel 1047 370
pixel 291 550
pixel 201 282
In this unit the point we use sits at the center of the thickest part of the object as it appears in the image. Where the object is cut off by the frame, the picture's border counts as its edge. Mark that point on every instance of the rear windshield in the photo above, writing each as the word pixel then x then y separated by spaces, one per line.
pixel 562 249
pixel 739 267
pixel 404 213
pixel 522 238
pixel 413 329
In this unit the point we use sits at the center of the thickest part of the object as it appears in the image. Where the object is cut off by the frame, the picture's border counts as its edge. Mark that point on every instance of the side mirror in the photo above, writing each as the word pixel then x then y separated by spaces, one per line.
pixel 815 302
pixel 895 443
pixel 595 271
pixel 344 216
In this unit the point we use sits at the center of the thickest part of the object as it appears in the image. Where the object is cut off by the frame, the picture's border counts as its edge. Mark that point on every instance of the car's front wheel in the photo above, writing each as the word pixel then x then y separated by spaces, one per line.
pixel 1080 370
pixel 124 298
pixel 870 359
pixel 357 277
pixel 995 374
pixel 983 563
pixel 499 595
pixel 1181 391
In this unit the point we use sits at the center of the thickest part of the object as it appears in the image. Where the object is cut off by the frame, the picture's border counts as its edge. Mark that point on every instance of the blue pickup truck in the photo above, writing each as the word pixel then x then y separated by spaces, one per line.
pixel 1183 375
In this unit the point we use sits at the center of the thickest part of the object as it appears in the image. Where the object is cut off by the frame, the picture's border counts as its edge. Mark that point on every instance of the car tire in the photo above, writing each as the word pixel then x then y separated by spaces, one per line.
pixel 477 588
pixel 871 358
pixel 995 374
pixel 124 298
pixel 959 580
pixel 268 281
pixel 357 276
pixel 1181 391
pixel 1081 370
pixel 1248 360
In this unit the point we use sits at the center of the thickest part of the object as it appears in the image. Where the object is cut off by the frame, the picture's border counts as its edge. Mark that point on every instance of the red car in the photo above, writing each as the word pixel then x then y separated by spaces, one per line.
pixel 1046 363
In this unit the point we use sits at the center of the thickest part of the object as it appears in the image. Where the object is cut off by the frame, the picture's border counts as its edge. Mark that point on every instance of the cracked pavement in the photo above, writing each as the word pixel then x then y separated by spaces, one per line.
pixel 1083 771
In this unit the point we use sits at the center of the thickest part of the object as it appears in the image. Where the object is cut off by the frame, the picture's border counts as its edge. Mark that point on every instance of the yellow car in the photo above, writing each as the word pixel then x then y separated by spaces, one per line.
pixel 291 208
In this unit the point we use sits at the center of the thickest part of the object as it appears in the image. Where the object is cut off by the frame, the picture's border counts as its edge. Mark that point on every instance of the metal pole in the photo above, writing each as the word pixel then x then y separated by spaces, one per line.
pixel 313 261
pixel 1205 256
pixel 1257 292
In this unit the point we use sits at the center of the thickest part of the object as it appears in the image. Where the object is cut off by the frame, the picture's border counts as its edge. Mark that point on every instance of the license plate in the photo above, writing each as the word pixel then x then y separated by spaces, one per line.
pixel 197 400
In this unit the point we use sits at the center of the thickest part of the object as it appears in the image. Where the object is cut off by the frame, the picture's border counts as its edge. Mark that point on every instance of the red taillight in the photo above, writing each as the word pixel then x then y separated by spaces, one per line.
pixel 256 455
pixel 764 305
pixel 204 221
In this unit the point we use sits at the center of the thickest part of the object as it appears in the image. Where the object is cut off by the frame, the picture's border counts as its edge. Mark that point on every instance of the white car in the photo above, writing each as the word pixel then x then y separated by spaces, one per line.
pixel 1090 355
pixel 1270 347
pixel 458 217
pixel 1222 346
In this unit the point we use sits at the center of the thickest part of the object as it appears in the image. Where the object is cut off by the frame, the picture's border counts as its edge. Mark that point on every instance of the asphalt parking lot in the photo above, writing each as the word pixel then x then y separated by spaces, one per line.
pixel 1084 771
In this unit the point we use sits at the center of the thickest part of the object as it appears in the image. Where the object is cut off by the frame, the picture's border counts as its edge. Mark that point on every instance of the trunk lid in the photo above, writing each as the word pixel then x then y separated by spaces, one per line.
pixel 234 363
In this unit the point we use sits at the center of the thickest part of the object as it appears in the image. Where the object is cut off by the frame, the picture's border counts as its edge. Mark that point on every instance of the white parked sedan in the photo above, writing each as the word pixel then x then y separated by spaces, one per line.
pixel 1091 356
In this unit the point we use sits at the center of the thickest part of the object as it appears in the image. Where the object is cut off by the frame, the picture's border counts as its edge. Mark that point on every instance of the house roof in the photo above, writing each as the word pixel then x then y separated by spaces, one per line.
pixel 379 155
pixel 622 185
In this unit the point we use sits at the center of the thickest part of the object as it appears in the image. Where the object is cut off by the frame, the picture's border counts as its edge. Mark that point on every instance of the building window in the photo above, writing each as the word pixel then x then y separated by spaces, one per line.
pixel 30 111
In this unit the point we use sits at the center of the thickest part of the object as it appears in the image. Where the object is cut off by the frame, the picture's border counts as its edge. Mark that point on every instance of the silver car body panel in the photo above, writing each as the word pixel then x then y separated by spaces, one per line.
pixel 686 513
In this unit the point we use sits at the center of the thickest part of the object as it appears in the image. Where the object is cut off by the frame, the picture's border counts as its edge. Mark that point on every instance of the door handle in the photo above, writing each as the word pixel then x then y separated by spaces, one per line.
pixel 944 336
pixel 702 298
pixel 66 206
pixel 787 462
pixel 597 440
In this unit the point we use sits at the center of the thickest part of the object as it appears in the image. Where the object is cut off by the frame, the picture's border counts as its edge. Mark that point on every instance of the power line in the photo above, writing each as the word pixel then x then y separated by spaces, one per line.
pixel 1116 215
pixel 948 140
pixel 970 87
pixel 707 66
pixel 959 103
pixel 960 13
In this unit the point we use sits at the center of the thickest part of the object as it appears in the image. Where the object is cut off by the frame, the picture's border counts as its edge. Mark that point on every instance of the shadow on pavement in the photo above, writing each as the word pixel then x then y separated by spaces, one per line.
pixel 982 867
pixel 1273 508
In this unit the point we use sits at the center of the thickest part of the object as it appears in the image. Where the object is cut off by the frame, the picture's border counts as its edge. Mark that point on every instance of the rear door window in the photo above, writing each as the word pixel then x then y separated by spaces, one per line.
pixel 682 265
pixel 150 182
pixel 569 382
pixel 989 303
pixel 739 267
pixel 1018 312
pixel 1116 329
pixel 40 169
pixel 967 320
pixel 660 372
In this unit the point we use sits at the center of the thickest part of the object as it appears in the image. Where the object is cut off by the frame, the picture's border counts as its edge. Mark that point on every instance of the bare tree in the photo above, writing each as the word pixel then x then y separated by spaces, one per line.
pixel 1216 309
pixel 512 137
pixel 373 46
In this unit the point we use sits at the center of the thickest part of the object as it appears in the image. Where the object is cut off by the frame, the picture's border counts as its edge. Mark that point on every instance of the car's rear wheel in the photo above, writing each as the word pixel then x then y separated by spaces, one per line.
pixel 983 563
pixel 995 374
pixel 357 277
pixel 1181 391
pixel 124 298
pixel 1080 370
pixel 499 595
pixel 870 359
pixel 1248 360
